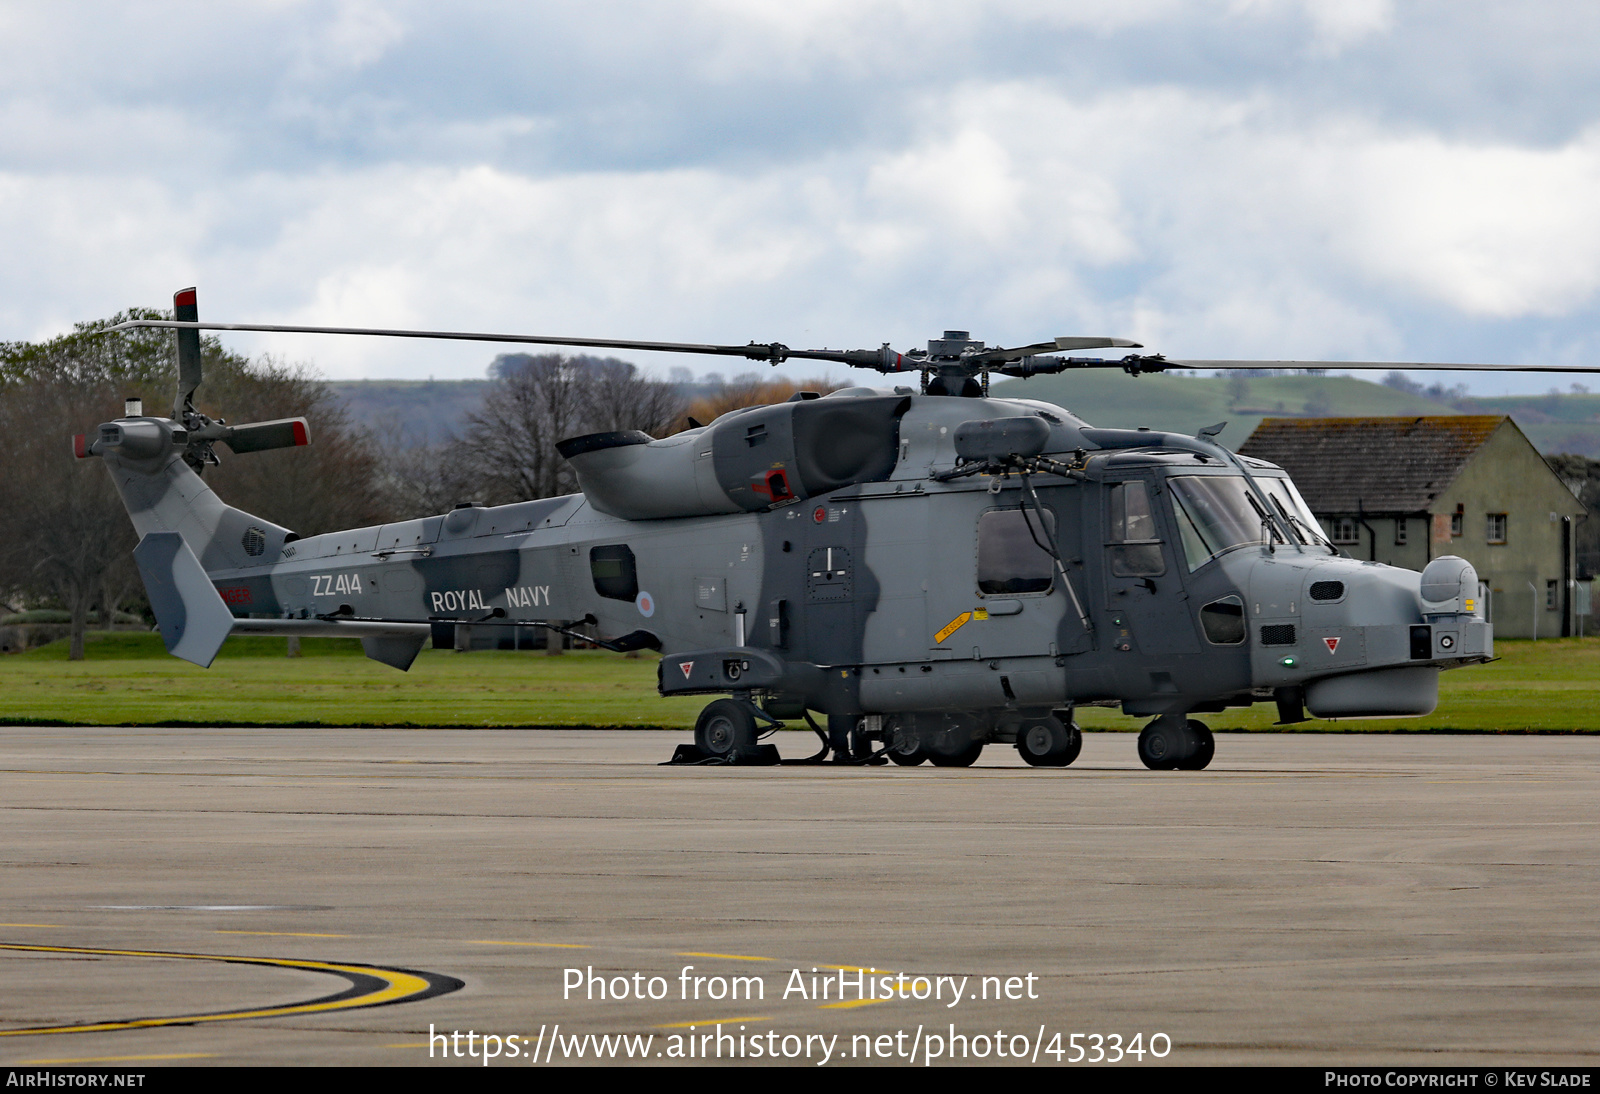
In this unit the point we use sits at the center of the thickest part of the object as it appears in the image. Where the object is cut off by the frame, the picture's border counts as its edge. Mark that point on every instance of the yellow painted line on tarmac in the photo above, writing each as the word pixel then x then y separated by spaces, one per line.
pixel 702 1023
pixel 370 986
pixel 848 1004
pixel 117 1059
pixel 285 934
pixel 541 945
pixel 32 924
pixel 726 956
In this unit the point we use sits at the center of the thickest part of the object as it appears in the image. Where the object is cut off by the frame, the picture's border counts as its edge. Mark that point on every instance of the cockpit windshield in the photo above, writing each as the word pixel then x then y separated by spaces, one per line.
pixel 1216 513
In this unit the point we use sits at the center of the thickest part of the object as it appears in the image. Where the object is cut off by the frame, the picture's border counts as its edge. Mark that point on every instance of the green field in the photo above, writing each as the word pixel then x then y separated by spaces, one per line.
pixel 128 679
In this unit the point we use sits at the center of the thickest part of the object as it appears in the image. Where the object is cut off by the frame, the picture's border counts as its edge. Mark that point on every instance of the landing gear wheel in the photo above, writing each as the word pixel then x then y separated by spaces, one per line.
pixel 903 745
pixel 965 758
pixel 908 758
pixel 1204 746
pixel 1045 742
pixel 1076 746
pixel 726 730
pixel 1165 744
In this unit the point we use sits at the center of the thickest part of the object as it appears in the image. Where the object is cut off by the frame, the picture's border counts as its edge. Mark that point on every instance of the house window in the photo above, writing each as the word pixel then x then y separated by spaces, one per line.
pixel 1550 588
pixel 1497 528
pixel 1457 519
pixel 1400 532
pixel 1346 530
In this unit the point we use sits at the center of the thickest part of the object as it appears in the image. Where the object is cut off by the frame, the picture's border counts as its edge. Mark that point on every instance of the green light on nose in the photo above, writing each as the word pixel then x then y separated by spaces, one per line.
pixel 1287 662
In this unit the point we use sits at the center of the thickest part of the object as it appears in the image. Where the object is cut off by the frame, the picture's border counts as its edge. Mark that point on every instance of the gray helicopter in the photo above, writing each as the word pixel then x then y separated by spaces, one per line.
pixel 931 569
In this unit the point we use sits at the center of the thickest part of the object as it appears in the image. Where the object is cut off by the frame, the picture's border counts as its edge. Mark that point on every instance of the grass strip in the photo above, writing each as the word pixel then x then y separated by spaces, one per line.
pixel 128 679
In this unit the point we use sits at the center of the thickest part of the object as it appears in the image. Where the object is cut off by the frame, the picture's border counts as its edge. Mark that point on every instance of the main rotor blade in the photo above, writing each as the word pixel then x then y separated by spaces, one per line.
pixel 1399 366
pixel 1017 353
pixel 755 351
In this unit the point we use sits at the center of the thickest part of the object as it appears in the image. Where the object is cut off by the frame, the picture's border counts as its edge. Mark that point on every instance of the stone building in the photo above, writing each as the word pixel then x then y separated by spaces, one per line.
pixel 1407 490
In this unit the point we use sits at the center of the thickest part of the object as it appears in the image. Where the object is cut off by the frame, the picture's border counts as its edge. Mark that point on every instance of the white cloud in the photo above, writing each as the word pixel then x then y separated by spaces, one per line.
pixel 1495 231
pixel 1002 197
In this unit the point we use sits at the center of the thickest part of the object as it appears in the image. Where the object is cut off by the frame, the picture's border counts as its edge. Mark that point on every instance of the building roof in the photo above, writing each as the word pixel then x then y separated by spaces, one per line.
pixel 1379 465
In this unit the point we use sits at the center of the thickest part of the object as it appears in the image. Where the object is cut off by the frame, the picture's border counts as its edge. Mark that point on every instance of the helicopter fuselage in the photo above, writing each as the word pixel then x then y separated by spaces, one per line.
pixel 934 608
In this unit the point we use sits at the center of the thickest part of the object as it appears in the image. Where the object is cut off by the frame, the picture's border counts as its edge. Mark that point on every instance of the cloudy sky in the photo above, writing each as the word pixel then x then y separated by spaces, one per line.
pixel 1344 179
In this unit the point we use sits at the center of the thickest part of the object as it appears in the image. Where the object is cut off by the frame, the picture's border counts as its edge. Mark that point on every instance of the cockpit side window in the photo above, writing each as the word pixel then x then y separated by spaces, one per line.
pixel 1135 547
pixel 1223 621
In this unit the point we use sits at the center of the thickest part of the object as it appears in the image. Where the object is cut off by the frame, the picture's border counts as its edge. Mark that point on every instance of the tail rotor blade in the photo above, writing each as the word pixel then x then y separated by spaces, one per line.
pixel 262 436
pixel 185 309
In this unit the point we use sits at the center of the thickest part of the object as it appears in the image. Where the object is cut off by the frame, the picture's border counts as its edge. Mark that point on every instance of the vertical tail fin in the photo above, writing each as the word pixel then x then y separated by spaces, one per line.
pixel 193 620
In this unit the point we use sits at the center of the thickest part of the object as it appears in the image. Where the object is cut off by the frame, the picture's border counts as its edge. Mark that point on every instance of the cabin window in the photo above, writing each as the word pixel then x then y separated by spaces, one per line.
pixel 1135 549
pixel 1013 555
pixel 615 575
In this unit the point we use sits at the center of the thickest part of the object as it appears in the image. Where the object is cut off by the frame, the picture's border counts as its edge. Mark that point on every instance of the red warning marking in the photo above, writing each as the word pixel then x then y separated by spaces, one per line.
pixel 687 667
pixel 1332 644
pixel 819 514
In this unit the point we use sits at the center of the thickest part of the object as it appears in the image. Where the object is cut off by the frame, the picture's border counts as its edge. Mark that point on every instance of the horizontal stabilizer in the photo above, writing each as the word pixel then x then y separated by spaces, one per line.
pixel 194 621
pixel 262 436
pixel 395 650
pixel 393 644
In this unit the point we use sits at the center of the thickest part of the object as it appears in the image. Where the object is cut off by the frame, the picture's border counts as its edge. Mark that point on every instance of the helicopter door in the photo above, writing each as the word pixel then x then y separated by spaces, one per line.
pixel 1009 604
pixel 899 554
pixel 1148 606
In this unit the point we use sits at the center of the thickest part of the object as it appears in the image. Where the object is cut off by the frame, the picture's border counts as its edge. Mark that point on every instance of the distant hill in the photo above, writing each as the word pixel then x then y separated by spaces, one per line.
pixel 419 411
pixel 1187 404
pixel 1555 423
pixel 411 412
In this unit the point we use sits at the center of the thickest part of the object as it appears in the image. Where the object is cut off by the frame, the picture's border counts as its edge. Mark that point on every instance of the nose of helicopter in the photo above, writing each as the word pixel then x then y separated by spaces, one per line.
pixel 1361 638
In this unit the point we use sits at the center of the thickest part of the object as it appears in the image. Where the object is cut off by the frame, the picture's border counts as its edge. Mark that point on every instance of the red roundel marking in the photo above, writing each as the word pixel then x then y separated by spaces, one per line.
pixel 819 514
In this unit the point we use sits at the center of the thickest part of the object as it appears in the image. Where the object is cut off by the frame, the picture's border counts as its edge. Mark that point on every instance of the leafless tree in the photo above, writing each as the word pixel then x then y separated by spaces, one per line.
pixel 536 401
pixel 67 541
pixel 335 483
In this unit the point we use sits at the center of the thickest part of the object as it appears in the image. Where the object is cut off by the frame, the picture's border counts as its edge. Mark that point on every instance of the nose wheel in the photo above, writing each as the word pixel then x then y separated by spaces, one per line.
pixel 726 731
pixel 1172 743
